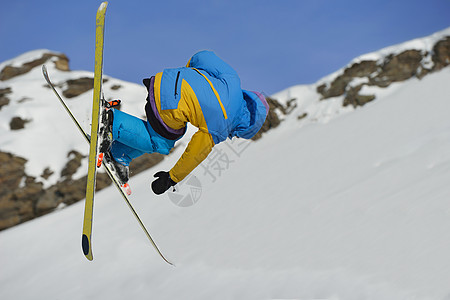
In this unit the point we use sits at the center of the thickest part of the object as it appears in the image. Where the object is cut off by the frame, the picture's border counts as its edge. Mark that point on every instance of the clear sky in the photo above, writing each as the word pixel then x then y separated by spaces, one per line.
pixel 272 44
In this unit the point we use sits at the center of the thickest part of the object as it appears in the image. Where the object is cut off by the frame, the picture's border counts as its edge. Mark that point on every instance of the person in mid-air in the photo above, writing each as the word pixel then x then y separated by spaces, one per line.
pixel 206 93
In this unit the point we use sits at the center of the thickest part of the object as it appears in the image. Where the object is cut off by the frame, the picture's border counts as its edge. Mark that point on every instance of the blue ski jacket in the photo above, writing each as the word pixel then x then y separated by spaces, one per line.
pixel 206 93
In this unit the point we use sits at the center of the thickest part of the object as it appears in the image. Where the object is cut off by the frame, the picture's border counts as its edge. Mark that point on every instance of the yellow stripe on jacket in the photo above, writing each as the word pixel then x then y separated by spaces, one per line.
pixel 188 110
pixel 215 93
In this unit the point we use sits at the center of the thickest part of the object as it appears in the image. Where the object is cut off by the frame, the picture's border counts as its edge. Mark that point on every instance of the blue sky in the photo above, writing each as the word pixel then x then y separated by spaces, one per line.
pixel 272 44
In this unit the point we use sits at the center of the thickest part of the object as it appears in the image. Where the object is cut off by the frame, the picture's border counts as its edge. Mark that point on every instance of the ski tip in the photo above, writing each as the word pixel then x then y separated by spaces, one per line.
pixel 86 245
pixel 103 6
pixel 171 264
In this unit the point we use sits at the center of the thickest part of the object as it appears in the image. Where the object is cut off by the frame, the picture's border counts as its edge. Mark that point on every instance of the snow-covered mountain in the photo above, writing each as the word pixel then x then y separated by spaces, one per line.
pixel 346 199
pixel 42 153
pixel 364 77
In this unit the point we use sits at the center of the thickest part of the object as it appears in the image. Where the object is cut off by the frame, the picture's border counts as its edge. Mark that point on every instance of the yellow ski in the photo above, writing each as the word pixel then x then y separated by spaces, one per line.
pixel 93 150
pixel 107 168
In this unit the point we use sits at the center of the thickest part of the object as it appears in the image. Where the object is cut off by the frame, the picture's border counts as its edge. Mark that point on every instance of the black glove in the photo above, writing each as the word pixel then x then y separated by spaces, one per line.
pixel 163 183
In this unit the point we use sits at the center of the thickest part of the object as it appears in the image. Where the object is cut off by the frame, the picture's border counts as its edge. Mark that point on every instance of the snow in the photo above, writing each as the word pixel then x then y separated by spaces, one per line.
pixel 344 204
pixel 103 6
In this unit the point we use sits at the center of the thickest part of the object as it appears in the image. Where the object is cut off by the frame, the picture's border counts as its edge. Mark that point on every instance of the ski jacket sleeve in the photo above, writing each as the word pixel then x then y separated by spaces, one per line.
pixel 211 63
pixel 196 151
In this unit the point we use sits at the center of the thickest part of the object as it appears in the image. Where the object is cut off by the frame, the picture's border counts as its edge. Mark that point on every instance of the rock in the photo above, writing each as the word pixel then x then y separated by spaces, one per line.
pixel 8 214
pixel 441 54
pixel 302 116
pixel 18 123
pixel 72 165
pixel 339 85
pixel 76 87
pixel 18 192
pixel 352 97
pixel 3 102
pixel 27 196
pixel 102 181
pixel 11 172
pixel 3 99
pixel 22 198
pixel 60 60
pixel 398 68
pixel 24 99
pixel 47 173
pixel 67 191
pixel 47 202
pixel 62 63
pixel 272 119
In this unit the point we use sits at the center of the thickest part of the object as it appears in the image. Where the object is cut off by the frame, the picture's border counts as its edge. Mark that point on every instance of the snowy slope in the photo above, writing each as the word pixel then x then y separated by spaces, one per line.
pixel 346 204
pixel 353 209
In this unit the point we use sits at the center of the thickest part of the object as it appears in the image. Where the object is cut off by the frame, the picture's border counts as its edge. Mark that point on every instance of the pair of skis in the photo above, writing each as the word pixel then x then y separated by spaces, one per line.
pixel 93 141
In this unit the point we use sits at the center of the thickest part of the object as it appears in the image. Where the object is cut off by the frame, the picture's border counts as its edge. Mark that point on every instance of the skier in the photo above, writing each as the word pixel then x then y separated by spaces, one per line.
pixel 206 93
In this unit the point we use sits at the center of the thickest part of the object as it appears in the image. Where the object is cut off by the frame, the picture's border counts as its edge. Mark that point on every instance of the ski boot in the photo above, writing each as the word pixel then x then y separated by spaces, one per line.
pixel 105 132
pixel 120 171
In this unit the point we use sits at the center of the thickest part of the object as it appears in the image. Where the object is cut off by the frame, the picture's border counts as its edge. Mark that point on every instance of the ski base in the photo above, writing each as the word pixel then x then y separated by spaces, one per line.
pixel 86 245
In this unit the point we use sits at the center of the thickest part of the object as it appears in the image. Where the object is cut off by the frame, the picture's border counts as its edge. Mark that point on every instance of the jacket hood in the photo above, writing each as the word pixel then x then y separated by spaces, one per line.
pixel 258 109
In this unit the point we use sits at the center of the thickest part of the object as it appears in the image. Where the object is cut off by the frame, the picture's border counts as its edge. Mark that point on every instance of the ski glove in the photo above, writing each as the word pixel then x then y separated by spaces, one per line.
pixel 162 183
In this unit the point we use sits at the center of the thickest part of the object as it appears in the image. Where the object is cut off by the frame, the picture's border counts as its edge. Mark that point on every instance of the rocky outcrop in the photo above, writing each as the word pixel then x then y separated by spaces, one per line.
pixel 76 87
pixel 18 192
pixel 23 198
pixel 441 54
pixel 17 123
pixel 353 97
pixel 60 60
pixel 4 100
pixel 399 67
pixel 339 85
pixel 393 68
pixel 272 120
